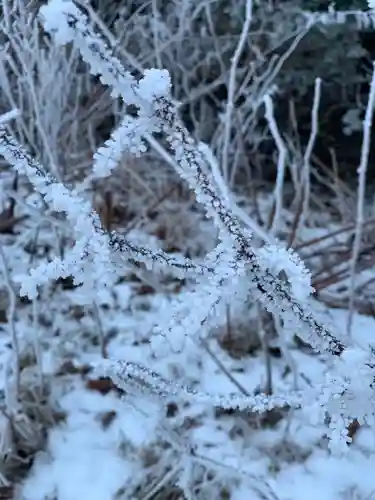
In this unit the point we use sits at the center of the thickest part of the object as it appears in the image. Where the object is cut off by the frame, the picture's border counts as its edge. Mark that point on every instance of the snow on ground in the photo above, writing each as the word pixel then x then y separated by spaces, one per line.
pixel 106 446
pixel 101 444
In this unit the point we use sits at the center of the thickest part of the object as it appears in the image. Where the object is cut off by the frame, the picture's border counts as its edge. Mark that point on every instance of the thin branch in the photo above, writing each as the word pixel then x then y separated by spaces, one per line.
pixel 232 89
pixel 362 170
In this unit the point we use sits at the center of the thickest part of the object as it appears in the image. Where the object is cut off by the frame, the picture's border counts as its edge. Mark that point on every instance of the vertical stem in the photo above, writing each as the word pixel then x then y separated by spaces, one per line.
pixel 362 170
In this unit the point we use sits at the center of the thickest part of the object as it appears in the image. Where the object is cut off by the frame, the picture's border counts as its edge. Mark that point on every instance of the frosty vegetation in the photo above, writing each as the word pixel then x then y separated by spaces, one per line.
pixel 175 414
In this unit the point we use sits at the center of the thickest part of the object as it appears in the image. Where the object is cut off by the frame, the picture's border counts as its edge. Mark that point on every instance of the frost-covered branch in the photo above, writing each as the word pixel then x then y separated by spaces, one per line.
pixel 234 264
pixel 91 254
pixel 91 239
pixel 142 380
pixel 151 96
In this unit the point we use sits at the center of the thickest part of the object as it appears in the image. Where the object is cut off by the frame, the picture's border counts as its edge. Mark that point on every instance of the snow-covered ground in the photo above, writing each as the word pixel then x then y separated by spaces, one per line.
pixel 102 445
